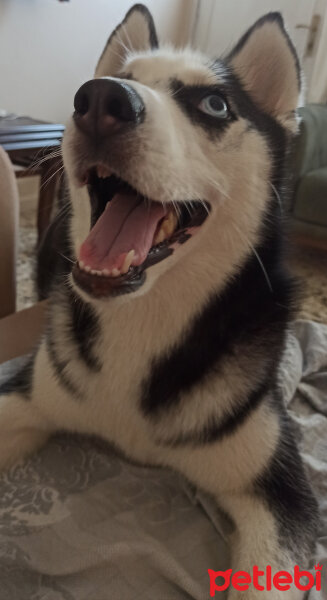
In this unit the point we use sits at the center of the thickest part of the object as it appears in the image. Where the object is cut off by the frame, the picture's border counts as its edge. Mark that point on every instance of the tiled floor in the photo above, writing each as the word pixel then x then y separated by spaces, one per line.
pixel 308 264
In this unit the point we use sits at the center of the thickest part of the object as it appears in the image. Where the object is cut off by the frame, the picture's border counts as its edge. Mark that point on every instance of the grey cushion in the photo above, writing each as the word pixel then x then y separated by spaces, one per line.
pixel 311 197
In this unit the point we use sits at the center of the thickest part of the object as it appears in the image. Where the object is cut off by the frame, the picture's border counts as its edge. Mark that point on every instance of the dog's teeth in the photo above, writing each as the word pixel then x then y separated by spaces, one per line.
pixel 81 264
pixel 87 268
pixel 95 272
pixel 168 226
pixel 128 261
pixel 159 237
pixel 105 272
pixel 171 222
pixel 102 171
pixel 115 272
pixel 173 219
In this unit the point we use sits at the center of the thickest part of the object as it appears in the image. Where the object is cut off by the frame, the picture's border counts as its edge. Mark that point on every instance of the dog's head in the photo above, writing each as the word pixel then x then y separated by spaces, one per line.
pixel 172 157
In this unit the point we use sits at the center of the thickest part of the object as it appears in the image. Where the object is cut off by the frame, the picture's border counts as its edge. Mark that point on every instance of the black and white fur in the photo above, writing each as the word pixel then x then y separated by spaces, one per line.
pixel 184 372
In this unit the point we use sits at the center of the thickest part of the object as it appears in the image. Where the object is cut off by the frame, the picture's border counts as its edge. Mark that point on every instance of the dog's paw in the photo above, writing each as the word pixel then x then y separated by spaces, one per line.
pixel 22 429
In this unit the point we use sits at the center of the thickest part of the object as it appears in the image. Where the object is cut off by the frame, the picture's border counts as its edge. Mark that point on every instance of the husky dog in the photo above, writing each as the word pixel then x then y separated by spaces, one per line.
pixel 167 336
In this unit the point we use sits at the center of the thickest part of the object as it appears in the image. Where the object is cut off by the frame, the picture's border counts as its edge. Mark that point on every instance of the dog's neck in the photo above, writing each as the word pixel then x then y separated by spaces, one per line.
pixel 162 316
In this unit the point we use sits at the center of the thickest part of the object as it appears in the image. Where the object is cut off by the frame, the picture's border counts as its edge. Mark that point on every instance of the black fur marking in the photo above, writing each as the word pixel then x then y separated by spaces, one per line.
pixel 278 141
pixel 85 330
pixel 54 257
pixel 184 237
pixel 59 367
pixel 189 96
pixel 214 431
pixel 272 17
pixel 247 312
pixel 54 262
pixel 243 106
pixel 21 380
pixel 153 39
pixel 239 104
pixel 286 490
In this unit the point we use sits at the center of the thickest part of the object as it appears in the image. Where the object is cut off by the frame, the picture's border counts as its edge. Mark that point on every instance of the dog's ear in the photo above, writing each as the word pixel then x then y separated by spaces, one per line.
pixel 136 32
pixel 266 62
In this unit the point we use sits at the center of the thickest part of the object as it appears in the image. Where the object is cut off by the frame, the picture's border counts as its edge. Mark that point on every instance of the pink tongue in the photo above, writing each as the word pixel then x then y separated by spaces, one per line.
pixel 128 223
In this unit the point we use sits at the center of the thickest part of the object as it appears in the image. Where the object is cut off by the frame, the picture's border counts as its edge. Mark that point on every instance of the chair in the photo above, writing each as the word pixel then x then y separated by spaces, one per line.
pixel 309 209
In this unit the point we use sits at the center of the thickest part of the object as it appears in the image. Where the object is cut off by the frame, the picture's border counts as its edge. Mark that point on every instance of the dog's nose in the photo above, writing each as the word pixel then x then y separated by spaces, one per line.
pixel 105 106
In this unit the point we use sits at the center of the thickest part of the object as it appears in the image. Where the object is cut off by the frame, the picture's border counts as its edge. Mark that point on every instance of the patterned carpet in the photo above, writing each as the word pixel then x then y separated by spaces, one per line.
pixel 309 265
pixel 26 295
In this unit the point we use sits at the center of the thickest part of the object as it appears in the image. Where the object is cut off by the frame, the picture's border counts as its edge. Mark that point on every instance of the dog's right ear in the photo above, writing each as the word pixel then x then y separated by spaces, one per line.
pixel 136 33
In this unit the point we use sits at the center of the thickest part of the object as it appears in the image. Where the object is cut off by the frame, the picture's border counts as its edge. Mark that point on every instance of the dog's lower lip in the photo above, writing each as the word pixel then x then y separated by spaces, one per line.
pixel 101 286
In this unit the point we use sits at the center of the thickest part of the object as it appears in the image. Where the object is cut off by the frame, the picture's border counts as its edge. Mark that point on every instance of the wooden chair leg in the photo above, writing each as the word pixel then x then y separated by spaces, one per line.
pixel 9 210
pixel 50 176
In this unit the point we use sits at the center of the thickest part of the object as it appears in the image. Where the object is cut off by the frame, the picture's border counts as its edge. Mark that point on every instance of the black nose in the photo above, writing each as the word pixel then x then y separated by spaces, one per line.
pixel 105 106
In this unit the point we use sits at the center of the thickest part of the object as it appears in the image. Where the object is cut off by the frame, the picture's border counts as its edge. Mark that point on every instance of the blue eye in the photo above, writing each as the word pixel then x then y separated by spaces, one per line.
pixel 214 106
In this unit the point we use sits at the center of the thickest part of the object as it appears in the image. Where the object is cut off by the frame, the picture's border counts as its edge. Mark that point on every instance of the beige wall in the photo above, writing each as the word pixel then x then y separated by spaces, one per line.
pixel 48 48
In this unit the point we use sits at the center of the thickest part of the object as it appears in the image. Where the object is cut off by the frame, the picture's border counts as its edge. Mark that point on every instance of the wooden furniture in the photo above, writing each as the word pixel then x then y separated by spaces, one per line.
pixel 9 206
pixel 29 142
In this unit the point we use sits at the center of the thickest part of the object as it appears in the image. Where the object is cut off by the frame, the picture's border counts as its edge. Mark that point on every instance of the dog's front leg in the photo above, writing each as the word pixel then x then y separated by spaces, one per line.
pixel 260 550
pixel 276 520
pixel 23 429
pixel 28 410
pixel 257 477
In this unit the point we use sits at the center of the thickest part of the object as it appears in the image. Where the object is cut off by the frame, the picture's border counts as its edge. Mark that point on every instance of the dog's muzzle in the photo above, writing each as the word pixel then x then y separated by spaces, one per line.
pixel 129 232
pixel 106 106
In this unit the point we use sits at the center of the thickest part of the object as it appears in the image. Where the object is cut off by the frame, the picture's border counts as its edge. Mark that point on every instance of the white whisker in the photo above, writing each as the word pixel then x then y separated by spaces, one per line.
pixel 277 196
pixel 61 168
pixel 66 257
pixel 247 241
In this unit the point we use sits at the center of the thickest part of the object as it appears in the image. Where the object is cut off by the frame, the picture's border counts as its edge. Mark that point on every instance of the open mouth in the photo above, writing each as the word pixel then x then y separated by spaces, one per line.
pixel 129 233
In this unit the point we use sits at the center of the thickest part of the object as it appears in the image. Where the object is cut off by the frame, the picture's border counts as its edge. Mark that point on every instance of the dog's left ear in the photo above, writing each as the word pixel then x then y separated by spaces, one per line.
pixel 266 62
pixel 136 33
